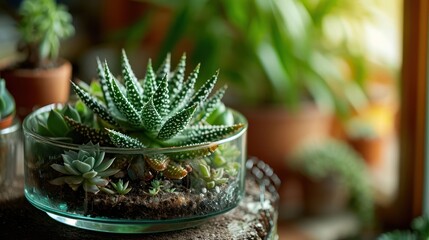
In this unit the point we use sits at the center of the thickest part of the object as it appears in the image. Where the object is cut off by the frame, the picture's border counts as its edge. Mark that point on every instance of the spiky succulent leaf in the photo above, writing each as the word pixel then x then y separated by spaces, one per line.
pixel 149 84
pixel 120 100
pixel 157 162
pixel 134 90
pixel 99 136
pixel 187 90
pixel 211 104
pixel 176 123
pixel 161 99
pixel 210 133
pixel 176 81
pixel 151 118
pixel 204 91
pixel 104 86
pixel 93 104
pixel 175 171
pixel 123 141
pixel 191 154
pixel 163 70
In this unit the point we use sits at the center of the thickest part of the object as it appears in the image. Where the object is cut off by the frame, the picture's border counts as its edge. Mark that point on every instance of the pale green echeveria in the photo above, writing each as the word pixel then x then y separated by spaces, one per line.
pixel 87 168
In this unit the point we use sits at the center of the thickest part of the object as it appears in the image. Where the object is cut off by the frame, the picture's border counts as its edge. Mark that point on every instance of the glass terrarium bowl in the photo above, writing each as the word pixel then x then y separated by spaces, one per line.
pixel 213 185
pixel 10 140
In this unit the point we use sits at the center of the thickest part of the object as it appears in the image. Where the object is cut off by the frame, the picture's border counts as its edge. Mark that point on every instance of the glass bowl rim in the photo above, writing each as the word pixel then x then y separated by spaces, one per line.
pixel 14 127
pixel 72 146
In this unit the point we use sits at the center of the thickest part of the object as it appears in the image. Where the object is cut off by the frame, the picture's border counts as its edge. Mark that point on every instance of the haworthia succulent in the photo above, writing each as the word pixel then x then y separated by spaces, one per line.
pixel 150 116
pixel 161 100
pixel 187 90
pixel 123 141
pixel 121 102
pixel 159 117
pixel 134 90
pixel 195 153
pixel 200 96
pixel 163 70
pixel 175 171
pixel 210 133
pixel 149 82
pixel 176 123
pixel 94 135
pixel 175 83
pixel 104 86
pixel 93 104
pixel 211 104
pixel 157 162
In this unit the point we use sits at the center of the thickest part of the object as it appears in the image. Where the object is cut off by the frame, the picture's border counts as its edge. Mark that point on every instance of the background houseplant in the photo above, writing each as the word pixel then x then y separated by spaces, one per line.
pixel 283 65
pixel 41 77
pixel 420 230
pixel 336 177
pixel 141 155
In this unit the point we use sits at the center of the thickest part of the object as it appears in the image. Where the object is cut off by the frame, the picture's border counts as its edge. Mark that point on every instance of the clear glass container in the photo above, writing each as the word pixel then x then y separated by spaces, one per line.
pixel 10 140
pixel 156 203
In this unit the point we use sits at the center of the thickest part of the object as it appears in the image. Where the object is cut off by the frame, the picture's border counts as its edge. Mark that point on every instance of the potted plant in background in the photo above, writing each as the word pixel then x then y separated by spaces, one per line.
pixel 10 137
pixel 136 155
pixel 41 77
pixel 335 178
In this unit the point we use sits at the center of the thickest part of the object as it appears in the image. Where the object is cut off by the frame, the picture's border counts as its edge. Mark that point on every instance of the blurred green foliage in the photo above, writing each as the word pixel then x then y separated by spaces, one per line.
pixel 338 159
pixel 43 24
pixel 278 52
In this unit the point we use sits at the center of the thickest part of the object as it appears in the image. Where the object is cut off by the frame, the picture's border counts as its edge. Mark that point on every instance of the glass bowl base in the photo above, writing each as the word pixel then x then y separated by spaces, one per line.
pixel 126 227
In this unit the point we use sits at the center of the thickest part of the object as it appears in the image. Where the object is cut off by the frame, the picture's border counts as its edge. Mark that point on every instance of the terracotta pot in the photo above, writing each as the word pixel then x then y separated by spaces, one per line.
pixel 274 133
pixel 373 150
pixel 7 121
pixel 326 196
pixel 33 88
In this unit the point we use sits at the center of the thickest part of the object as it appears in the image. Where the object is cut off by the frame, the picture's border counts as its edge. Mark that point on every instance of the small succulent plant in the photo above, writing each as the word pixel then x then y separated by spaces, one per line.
pixel 54 125
pixel 7 103
pixel 120 187
pixel 155 187
pixel 86 168
pixel 162 110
